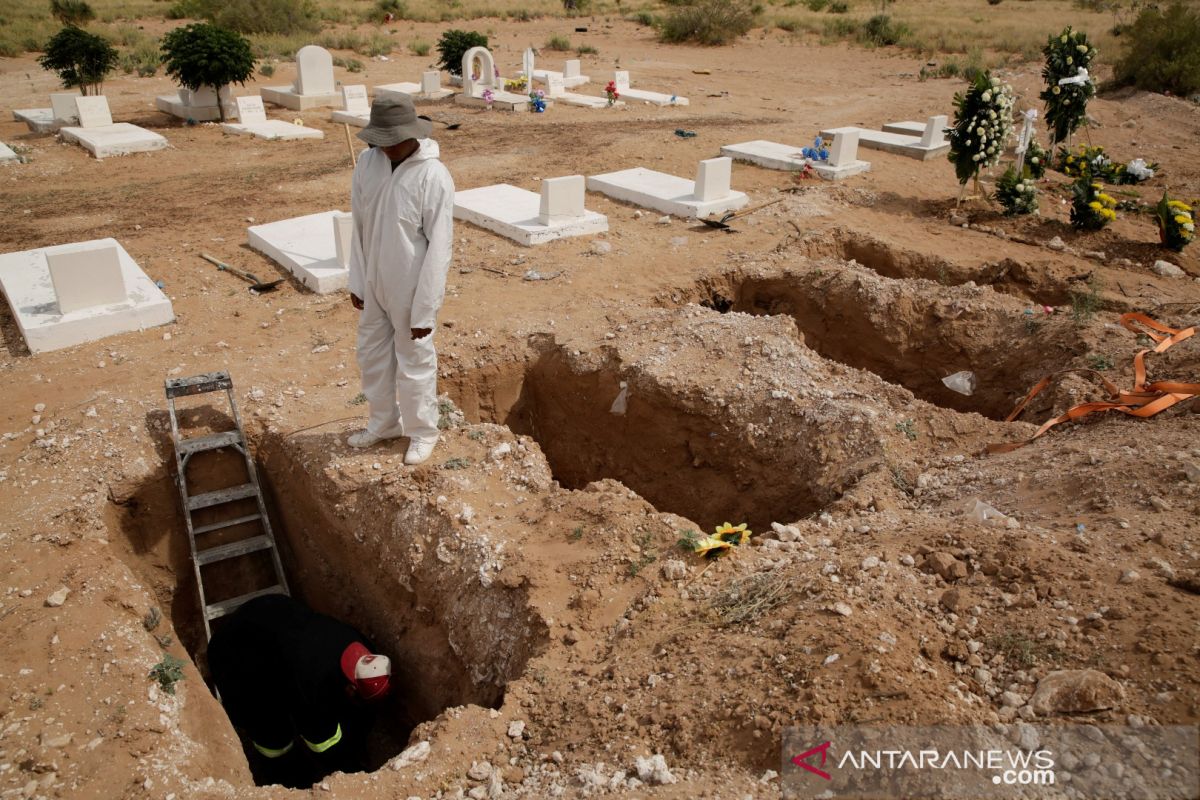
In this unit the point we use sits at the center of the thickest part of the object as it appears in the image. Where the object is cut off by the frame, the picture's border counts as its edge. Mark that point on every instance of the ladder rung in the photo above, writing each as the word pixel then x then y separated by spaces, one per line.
pixel 232 604
pixel 225 523
pixel 222 496
pixel 212 441
pixel 241 547
pixel 198 384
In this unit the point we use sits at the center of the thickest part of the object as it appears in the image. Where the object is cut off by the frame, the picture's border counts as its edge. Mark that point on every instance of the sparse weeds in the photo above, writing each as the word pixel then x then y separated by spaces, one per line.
pixel 746 599
pixel 458 462
pixel 168 672
pixel 558 43
pixel 576 534
pixel 645 557
pixel 1019 648
pixel 1084 305
pixel 710 22
pixel 909 428
pixel 357 400
pixel 419 47
pixel 1099 362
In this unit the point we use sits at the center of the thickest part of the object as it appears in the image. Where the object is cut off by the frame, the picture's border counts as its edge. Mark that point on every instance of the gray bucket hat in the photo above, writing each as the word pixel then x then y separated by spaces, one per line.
pixel 394 121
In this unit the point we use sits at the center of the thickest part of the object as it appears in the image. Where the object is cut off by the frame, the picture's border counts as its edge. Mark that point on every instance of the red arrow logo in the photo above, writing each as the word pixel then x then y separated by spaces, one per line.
pixel 823 749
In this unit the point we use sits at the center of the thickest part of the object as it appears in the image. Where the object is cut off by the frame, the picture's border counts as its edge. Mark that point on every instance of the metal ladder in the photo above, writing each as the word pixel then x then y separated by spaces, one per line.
pixel 184 450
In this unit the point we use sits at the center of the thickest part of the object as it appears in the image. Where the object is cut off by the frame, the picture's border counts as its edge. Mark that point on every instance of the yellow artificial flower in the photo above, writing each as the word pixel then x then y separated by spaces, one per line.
pixel 1181 219
pixel 1094 205
pixel 737 535
pixel 711 548
pixel 1179 204
pixel 1070 159
pixel 1097 187
pixel 1108 213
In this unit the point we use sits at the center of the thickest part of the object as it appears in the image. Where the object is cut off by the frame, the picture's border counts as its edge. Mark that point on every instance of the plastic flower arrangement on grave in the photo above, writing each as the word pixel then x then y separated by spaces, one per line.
pixel 1176 223
pixel 982 126
pixel 1094 162
pixel 1035 160
pixel 610 91
pixel 537 101
pixel 488 97
pixel 1066 104
pixel 1018 195
pixel 818 151
pixel 1091 209
pixel 515 85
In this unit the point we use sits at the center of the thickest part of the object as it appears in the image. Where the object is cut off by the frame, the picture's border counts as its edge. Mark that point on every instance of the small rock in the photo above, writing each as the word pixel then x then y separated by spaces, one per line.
pixel 870 562
pixel 1129 576
pixel 413 755
pixel 654 770
pixel 665 220
pixel 1076 691
pixel 58 598
pixel 500 451
pixel 57 741
pixel 638 214
pixel 1011 700
pixel 674 570
pixel 39 408
pixel 516 729
pixel 1168 270
pixel 678 241
pixel 1056 244
pixel 843 609
pixel 601 247
pixel 951 599
pixel 479 771
pixel 946 565
pixel 1191 471
pixel 1159 503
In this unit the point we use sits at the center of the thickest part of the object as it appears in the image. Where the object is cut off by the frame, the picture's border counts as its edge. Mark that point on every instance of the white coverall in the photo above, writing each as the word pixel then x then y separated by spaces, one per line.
pixel 403 234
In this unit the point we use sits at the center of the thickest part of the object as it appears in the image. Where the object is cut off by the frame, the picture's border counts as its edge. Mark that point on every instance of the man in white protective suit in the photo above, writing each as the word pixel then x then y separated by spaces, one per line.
pixel 402 198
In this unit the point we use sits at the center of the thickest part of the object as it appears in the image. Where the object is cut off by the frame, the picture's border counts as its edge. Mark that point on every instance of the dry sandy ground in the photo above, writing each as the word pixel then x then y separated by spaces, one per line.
pixel 815 401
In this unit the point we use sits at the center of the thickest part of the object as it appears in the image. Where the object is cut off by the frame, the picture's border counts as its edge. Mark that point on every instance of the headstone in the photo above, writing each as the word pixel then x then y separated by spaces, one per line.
pixel 485 76
pixel 621 79
pixel 527 67
pixel 555 85
pixel 343 231
pixel 63 106
pixel 935 131
pixel 86 275
pixel 562 199
pixel 844 149
pixel 93 112
pixel 354 98
pixel 713 178
pixel 431 82
pixel 571 68
pixel 250 110
pixel 314 70
pixel 204 97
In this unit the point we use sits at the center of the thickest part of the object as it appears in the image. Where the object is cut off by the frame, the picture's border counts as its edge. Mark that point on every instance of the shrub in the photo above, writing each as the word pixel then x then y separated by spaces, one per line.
pixel 575 6
pixel 880 31
pixel 1161 54
pixel 711 22
pixel 252 16
pixel 348 64
pixel 419 47
pixel 816 5
pixel 81 59
pixel 203 54
pixel 838 7
pixel 266 69
pixel 789 25
pixel 379 44
pixel 398 9
pixel 72 12
pixel 644 18
pixel 453 45
pixel 586 50
pixel 558 43
pixel 143 58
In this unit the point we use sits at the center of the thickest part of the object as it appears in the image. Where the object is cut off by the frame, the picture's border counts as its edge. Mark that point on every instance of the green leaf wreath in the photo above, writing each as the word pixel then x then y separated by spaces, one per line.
pixel 1066 105
pixel 982 126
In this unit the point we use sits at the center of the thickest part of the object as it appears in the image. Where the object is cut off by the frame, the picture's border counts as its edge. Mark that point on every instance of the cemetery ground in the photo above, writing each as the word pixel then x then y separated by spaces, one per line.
pixel 548 631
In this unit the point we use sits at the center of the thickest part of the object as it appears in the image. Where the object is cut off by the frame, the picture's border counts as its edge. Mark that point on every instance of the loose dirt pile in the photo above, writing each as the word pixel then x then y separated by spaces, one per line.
pixel 552 637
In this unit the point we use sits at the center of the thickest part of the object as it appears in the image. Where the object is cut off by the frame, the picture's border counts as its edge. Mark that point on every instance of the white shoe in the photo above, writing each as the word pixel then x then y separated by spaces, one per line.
pixel 419 450
pixel 365 438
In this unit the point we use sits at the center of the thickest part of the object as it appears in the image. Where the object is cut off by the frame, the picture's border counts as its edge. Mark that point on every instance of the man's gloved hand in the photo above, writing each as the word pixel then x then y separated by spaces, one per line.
pixel 420 333
pixel 356 301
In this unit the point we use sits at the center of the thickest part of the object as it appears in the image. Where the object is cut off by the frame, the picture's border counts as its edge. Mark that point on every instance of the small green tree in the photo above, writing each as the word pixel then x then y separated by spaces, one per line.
pixel 1161 54
pixel 202 54
pixel 72 12
pixel 454 44
pixel 80 58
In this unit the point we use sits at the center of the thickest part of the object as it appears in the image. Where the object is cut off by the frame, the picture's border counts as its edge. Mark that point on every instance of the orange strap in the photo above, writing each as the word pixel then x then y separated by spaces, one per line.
pixel 1145 400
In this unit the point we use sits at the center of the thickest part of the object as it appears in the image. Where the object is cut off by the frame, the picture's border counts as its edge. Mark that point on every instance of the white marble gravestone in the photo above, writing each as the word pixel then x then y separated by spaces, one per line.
pixel 202 105
pixel 314 87
pixel 429 90
pixel 922 141
pixel 621 79
pixel 343 233
pixel 70 294
pixel 431 83
pixel 773 155
pixel 713 178
pixel 86 275
pixel 528 218
pixel 101 137
pixel 61 113
pixel 252 121
pixel 310 247
pixel 356 108
pixel 670 194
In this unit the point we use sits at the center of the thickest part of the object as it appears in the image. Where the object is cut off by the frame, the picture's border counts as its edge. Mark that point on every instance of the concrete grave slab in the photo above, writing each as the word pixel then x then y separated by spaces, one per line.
pixel 570 74
pixel 7 155
pixel 252 121
pixel 774 155
pixel 429 90
pixel 86 275
pixel 931 144
pixel 666 193
pixel 202 106
pixel 529 218
pixel 308 248
pixel 27 285
pixel 556 89
pixel 314 87
pixel 356 108
pixel 62 112
pixel 621 79
pixel 101 137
